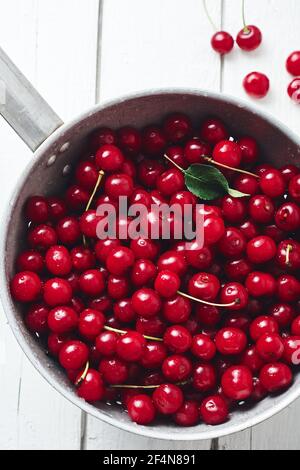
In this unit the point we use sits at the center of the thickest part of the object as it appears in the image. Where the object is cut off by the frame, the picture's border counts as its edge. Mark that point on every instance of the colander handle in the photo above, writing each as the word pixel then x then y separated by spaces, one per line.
pixel 23 107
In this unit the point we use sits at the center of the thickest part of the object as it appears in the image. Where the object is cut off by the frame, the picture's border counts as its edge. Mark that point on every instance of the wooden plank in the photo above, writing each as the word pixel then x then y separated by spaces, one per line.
pixel 55 45
pixel 152 45
pixel 281 36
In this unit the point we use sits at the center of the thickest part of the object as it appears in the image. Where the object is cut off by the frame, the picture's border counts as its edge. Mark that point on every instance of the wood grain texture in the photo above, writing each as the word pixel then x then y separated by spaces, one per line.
pixel 55 44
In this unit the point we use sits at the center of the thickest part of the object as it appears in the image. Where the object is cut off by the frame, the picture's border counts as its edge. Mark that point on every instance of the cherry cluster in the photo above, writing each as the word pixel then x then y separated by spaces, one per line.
pixel 185 334
pixel 249 38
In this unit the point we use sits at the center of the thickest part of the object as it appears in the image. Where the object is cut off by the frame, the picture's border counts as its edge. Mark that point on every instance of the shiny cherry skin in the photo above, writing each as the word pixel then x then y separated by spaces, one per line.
pixel 228 153
pixel 92 282
pixel 256 84
pixel 177 127
pixel 204 377
pixel 68 231
pixel 154 355
pixel 270 347
pixel 199 257
pixel 149 171
pixel 207 315
pixel 233 243
pixel 30 260
pixel 222 42
pixel 151 326
pixel 261 249
pixel 261 209
pixel 37 210
pixel 251 359
pixel 131 346
pixel 288 255
pixel 213 131
pixel 294 90
pixel 76 198
pixel 238 269
pixel 246 184
pixel 119 184
pixel 154 141
pixel 91 388
pixel 260 284
pixel 37 319
pixel 288 288
pixel 214 410
pixel 230 341
pixel 73 355
pixel 178 339
pixel 234 293
pixel 175 153
pixel 195 149
pixel 55 343
pixel 177 309
pixel 272 183
pixel 130 140
pixel 288 172
pixel 62 320
pixel 58 260
pixel 170 182
pixel 283 314
pixel 237 382
pixel 141 409
pixel 146 302
pixel 89 223
pixel 234 209
pixel 172 261
pixel 176 368
pixel 188 414
pixel 82 259
pixel 291 353
pixel 263 325
pixel 144 249
pixel 249 38
pixel 86 175
pixel 204 286
pixel 120 260
pixel 42 237
pixel 294 188
pixel 109 158
pixel 287 217
pixel 25 286
pixel 293 63
pixel 275 377
pixel 114 371
pixel 248 229
pixel 91 323
pixel 168 399
pixel 250 150
pixel 106 343
pixel 167 283
pixel 203 347
pixel 118 287
pixel 57 291
pixel 102 136
pixel 143 272
pixel 213 229
pixel 123 311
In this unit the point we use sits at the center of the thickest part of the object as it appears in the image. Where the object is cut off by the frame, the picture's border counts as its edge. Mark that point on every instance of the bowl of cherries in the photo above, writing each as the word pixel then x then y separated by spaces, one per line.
pixel 166 336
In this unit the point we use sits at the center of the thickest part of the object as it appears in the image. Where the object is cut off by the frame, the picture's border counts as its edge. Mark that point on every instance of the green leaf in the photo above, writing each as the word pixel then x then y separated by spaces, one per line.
pixel 207 182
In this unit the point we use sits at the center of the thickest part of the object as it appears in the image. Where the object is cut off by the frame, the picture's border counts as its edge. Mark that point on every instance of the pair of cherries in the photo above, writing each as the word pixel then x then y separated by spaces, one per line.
pixel 248 39
pixel 293 67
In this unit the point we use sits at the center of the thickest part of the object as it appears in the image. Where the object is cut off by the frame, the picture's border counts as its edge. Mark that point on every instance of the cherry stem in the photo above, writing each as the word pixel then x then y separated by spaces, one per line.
pixel 187 296
pixel 100 177
pixel 246 29
pixel 238 170
pixel 289 249
pixel 123 332
pixel 146 387
pixel 208 16
pixel 83 376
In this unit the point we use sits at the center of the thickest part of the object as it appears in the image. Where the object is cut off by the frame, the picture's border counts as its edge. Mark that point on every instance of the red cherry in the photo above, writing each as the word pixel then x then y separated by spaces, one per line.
pixel 146 302
pixel 119 260
pixel 178 339
pixel 68 231
pixel 222 42
pixel 256 84
pixel 109 158
pixel 260 284
pixel 62 320
pixel 238 270
pixel 37 319
pixel 213 131
pixel 263 325
pixel 89 223
pixel 143 272
pixel 177 127
pixel 230 341
pixel 130 140
pixel 42 237
pixel 203 347
pixel 91 323
pixel 177 309
pixel 233 243
pixel 250 150
pixel 199 258
pixel 213 229
pixel 295 328
pixel 288 255
pixel 172 261
pixel 270 347
pixel 82 259
pixel 261 249
pixel 131 346
pixel 76 198
pixel 170 182
pixel 246 184
pixel 175 153
pixel 288 172
pixel 287 217
pixel 195 149
pixel 57 291
pixel 118 185
pixel 144 249
pixel 73 355
pixel 294 188
pixel 228 153
pixel 275 377
pixel 204 377
pixel 208 315
pixel 188 414
pixel 261 209
pixel 291 353
pixel 251 359
pixel 56 342
pixel 102 136
pixel 152 326
pixel 92 388
pixel 167 283
pixel 118 287
pixel 149 171
pixel 58 260
pixel 293 63
pixel 154 141
pixel 92 282
pixel 37 210
pixel 86 175
pixel 168 399
pixel 294 90
pixel 272 183
pixel 154 354
pixel 114 371
pixel 30 260
pixel 176 368
pixel 237 382
pixel 141 409
pixel 249 38
pixel 214 410
pixel 204 286
pixel 288 288
pixel 123 311
pixel 106 343
pixel 234 293
pixel 282 313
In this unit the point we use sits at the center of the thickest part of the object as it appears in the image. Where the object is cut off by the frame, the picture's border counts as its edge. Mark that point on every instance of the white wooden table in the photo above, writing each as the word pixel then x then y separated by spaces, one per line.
pixel 77 52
